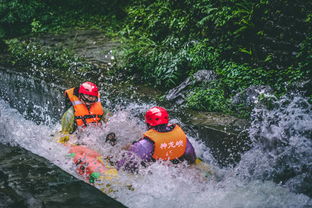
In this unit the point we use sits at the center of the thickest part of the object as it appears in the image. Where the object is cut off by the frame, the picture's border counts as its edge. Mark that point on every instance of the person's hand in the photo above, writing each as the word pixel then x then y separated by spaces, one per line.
pixel 111 138
pixel 126 147
pixel 64 139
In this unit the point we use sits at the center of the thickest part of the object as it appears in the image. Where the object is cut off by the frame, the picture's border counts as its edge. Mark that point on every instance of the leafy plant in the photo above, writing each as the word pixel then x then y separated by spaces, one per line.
pixel 208 100
pixel 25 53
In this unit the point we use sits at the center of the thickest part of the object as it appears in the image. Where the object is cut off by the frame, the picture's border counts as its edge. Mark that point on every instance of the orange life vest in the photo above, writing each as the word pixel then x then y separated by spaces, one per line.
pixel 83 115
pixel 168 145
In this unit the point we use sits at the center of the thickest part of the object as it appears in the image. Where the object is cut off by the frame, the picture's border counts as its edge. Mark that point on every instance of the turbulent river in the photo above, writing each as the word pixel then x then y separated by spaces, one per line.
pixel 275 172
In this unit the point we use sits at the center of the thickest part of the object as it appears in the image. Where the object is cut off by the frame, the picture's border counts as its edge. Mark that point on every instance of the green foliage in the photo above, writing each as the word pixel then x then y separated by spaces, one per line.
pixel 168 63
pixel 305 56
pixel 25 53
pixel 244 42
pixel 71 20
pixel 235 77
pixel 208 100
pixel 157 20
pixel 36 26
pixel 154 65
pixel 201 55
pixel 22 17
pixel 2 33
pixel 16 16
pixel 164 41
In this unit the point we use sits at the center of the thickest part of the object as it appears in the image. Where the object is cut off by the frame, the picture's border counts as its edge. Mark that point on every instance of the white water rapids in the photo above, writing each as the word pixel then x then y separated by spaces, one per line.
pixel 282 144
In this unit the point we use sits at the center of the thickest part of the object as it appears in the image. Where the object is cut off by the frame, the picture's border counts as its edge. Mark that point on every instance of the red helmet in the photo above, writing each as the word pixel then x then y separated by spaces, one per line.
pixel 89 88
pixel 156 116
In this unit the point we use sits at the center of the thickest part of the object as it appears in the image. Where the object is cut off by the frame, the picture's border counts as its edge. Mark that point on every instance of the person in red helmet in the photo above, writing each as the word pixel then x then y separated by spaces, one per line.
pixel 84 108
pixel 160 142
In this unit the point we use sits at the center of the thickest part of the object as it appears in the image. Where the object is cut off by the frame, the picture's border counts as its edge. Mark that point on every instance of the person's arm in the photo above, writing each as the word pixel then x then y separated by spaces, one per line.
pixel 143 148
pixel 67 103
pixel 68 121
pixel 189 154
pixel 106 115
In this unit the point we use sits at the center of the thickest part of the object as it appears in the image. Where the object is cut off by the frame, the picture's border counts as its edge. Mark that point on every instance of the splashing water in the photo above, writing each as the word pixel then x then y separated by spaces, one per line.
pixel 282 151
pixel 276 172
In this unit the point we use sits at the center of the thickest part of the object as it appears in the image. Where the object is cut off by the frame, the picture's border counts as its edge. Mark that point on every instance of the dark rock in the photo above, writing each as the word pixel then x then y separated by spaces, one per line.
pixel 249 96
pixel 178 94
pixel 225 135
pixel 28 180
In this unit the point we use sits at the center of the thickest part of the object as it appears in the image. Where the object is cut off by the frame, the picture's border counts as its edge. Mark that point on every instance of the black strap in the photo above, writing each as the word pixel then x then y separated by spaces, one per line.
pixel 83 118
pixel 88 116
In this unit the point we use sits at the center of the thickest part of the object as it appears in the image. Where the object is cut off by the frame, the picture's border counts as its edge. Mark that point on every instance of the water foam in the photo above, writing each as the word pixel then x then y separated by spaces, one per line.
pixel 250 184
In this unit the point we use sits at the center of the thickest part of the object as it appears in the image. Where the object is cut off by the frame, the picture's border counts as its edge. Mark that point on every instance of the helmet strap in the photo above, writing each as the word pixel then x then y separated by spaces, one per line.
pixel 149 126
